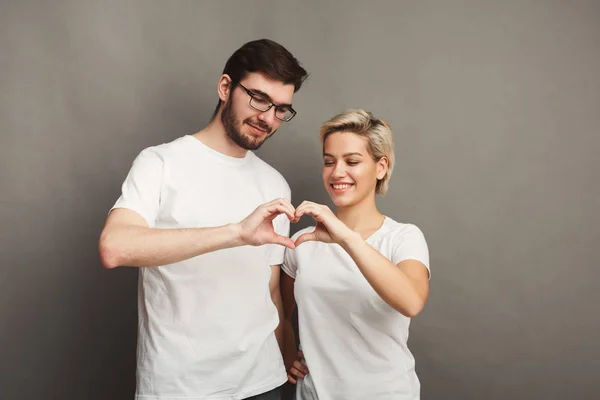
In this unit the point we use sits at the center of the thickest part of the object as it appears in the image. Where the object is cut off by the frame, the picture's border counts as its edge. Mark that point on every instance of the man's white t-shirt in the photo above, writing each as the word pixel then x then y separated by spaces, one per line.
pixel 354 343
pixel 206 324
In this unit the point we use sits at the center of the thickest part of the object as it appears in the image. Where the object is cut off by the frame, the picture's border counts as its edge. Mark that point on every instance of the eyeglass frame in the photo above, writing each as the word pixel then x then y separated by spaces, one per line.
pixel 253 97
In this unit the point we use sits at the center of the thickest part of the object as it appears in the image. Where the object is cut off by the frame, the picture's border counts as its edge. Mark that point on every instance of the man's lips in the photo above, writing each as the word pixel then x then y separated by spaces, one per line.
pixel 258 129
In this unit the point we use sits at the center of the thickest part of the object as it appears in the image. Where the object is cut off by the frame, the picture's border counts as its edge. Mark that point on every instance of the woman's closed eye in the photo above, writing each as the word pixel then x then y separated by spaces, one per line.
pixel 349 162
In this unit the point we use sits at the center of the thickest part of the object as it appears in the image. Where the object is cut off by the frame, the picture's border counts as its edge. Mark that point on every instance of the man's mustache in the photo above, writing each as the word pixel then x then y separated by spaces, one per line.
pixel 260 124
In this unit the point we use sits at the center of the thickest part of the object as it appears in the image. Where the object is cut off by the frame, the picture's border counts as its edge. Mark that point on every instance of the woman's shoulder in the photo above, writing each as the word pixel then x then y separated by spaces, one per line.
pixel 301 231
pixel 294 257
pixel 393 227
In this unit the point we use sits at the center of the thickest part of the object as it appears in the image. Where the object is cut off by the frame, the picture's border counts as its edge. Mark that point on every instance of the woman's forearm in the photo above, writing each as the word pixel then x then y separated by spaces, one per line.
pixel 396 288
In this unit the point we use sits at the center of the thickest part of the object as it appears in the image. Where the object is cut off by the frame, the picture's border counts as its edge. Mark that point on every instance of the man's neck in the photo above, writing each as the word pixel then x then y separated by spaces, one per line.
pixel 215 137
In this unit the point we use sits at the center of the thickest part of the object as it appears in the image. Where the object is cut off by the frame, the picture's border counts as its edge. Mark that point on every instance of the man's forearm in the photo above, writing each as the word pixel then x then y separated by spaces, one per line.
pixel 138 246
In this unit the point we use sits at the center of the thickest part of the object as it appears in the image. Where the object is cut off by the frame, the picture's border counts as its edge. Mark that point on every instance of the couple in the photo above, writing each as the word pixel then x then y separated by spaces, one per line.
pixel 207 222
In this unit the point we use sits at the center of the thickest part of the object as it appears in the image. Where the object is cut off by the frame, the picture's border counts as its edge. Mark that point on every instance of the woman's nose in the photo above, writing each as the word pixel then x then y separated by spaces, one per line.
pixel 339 170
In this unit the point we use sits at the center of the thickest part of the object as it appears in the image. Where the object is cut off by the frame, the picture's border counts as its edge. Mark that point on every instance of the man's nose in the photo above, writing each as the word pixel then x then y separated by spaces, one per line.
pixel 268 116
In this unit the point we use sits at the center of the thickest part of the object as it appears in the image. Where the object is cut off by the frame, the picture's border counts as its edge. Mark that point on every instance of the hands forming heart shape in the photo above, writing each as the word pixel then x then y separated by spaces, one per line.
pixel 257 228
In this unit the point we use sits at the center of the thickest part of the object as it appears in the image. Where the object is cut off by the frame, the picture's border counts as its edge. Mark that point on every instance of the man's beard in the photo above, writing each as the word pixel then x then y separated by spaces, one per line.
pixel 230 122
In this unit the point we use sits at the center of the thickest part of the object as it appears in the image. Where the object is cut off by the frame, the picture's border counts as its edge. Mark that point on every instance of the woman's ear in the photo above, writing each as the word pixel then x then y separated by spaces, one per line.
pixel 382 167
pixel 224 87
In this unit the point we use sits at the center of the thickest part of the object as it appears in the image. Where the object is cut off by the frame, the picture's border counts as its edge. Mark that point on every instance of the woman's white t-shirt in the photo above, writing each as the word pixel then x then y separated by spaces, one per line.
pixel 354 344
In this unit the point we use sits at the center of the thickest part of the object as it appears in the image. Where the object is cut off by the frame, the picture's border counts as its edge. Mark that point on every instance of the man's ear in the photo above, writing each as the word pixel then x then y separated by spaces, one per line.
pixel 224 87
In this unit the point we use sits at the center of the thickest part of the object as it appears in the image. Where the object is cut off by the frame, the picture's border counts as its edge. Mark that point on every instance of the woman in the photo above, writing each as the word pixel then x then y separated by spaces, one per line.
pixel 358 276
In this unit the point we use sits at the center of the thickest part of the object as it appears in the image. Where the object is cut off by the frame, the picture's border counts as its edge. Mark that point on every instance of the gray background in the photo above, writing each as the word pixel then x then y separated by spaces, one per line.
pixel 496 112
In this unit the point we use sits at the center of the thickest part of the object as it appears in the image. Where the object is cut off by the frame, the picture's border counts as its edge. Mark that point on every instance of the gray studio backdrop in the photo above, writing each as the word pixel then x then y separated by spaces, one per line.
pixel 496 112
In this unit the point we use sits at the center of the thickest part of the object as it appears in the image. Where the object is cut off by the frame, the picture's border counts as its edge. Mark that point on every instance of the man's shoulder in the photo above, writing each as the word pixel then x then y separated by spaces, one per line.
pixel 165 151
pixel 174 146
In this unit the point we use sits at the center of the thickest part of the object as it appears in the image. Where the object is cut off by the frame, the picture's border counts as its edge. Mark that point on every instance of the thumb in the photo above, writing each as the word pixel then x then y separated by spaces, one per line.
pixel 284 241
pixel 305 237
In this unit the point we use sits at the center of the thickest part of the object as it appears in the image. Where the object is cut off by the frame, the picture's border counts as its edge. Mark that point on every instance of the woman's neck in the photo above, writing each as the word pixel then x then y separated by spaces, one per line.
pixel 363 217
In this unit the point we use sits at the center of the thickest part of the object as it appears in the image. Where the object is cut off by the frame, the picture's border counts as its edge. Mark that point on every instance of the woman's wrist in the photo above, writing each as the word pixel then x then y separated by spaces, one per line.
pixel 350 239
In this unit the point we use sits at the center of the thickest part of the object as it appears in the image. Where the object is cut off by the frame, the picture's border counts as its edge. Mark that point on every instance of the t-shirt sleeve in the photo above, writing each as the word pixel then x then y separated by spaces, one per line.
pixel 289 265
pixel 290 259
pixel 141 189
pixel 281 225
pixel 409 244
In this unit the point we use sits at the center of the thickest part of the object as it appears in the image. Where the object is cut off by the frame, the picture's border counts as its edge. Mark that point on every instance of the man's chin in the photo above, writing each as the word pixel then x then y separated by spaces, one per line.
pixel 252 144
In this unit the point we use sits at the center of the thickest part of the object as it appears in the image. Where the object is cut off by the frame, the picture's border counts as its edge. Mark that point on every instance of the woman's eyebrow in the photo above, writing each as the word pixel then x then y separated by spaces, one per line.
pixel 344 155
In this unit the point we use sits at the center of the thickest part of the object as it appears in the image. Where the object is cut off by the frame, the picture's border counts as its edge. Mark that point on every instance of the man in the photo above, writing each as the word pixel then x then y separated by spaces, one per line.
pixel 206 221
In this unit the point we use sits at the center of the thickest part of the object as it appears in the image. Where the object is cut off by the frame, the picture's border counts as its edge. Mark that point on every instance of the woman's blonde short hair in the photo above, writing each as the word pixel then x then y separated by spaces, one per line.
pixel 377 132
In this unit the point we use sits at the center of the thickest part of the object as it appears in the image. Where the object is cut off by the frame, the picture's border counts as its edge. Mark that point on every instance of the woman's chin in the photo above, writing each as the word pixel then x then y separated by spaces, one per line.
pixel 341 201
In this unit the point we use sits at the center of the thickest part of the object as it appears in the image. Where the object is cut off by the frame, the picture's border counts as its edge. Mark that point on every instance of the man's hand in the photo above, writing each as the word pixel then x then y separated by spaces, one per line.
pixel 257 228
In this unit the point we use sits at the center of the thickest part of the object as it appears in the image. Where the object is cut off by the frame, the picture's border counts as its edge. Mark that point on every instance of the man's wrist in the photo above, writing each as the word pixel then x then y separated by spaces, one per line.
pixel 235 231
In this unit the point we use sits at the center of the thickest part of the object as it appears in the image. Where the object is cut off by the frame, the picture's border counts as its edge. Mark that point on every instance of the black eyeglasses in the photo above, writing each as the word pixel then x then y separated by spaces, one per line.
pixel 261 103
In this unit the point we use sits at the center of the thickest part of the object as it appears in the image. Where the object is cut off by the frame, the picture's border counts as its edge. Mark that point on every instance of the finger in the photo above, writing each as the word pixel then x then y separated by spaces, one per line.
pixel 283 202
pixel 291 379
pixel 276 209
pixel 312 206
pixel 307 209
pixel 319 214
pixel 303 203
pixel 305 237
pixel 298 213
pixel 286 203
pixel 300 365
pixel 306 202
pixel 297 373
pixel 296 217
pixel 302 369
pixel 290 205
pixel 299 370
pixel 284 241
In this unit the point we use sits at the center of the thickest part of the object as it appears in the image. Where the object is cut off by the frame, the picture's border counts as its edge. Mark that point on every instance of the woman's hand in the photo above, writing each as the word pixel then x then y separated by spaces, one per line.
pixel 329 228
pixel 298 370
